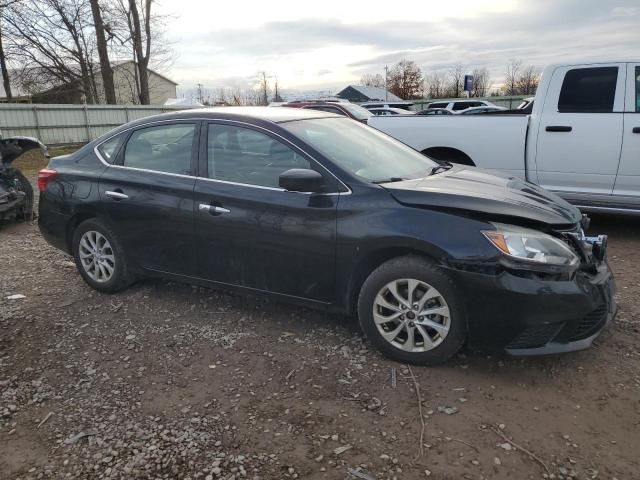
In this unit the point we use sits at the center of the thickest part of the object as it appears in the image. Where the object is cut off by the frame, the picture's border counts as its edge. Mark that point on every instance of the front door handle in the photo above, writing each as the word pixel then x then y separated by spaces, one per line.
pixel 558 128
pixel 636 130
pixel 213 209
pixel 116 195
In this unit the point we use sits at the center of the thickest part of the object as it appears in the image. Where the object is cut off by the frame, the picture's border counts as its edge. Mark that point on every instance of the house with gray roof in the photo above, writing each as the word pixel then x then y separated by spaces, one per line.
pixel 359 94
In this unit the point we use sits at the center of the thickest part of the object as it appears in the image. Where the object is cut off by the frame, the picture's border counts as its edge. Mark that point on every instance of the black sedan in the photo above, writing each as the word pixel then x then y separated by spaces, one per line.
pixel 327 212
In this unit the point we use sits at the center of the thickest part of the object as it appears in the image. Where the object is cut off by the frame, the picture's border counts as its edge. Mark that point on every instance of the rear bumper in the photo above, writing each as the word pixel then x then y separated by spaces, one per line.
pixel 53 227
pixel 532 316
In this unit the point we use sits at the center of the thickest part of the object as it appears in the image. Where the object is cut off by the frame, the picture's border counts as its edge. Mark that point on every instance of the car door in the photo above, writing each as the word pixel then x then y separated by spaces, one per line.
pixel 147 193
pixel 627 187
pixel 580 131
pixel 252 233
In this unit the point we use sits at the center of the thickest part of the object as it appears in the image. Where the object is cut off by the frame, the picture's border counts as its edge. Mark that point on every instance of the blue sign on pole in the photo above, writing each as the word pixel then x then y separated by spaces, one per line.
pixel 468 83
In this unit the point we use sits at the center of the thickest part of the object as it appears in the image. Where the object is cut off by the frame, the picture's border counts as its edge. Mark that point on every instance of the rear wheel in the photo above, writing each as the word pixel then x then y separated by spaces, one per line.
pixel 100 257
pixel 410 310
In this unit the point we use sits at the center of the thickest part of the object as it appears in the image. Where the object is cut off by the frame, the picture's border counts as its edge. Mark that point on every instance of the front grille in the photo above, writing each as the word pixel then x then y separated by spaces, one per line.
pixel 535 336
pixel 590 323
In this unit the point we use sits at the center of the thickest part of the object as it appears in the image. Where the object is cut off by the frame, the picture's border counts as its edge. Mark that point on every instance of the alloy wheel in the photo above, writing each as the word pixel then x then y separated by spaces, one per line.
pixel 96 256
pixel 411 315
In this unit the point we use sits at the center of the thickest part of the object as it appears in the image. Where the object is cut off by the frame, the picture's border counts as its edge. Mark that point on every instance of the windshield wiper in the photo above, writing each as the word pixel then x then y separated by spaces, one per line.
pixel 443 167
pixel 389 180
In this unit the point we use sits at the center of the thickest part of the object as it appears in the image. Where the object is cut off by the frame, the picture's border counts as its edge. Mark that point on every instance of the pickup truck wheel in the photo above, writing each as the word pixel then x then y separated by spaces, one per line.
pixel 411 311
pixel 99 257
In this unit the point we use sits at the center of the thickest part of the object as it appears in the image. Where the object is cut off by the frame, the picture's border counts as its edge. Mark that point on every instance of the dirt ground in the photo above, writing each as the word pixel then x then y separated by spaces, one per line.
pixel 167 380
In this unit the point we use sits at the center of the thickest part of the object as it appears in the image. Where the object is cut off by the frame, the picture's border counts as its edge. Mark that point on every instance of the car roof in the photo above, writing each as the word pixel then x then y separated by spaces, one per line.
pixel 269 114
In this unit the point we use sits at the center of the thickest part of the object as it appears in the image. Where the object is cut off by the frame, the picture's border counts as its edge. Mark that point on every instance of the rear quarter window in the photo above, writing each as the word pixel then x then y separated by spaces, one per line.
pixel 109 149
pixel 588 90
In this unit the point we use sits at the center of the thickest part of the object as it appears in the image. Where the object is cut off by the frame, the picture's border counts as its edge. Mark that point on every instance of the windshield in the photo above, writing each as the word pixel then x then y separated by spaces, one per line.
pixel 357 111
pixel 361 150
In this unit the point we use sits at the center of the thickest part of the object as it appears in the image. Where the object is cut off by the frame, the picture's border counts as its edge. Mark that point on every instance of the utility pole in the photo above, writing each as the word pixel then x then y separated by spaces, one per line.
pixel 386 80
pixel 200 93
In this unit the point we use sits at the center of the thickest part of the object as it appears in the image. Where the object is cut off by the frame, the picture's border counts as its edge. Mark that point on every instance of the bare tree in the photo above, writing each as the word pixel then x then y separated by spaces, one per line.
pixel 405 80
pixel 263 87
pixel 455 87
pixel 276 92
pixel 481 82
pixel 372 80
pixel 528 80
pixel 141 34
pixel 3 66
pixel 55 39
pixel 511 75
pixel 3 59
pixel 521 79
pixel 105 66
pixel 435 85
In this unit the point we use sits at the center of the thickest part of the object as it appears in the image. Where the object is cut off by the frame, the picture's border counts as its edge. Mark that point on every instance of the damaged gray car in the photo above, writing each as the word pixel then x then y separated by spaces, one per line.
pixel 16 192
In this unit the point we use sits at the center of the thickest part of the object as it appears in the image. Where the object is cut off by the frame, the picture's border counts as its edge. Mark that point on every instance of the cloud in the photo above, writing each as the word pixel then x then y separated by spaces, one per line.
pixel 538 32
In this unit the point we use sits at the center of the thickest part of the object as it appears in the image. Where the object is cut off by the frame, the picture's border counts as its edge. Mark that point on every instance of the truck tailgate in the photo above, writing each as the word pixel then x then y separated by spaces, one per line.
pixel 494 142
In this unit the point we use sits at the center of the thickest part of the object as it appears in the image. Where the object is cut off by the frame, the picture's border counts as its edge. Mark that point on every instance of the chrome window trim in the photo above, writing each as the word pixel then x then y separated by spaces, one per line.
pixel 142 125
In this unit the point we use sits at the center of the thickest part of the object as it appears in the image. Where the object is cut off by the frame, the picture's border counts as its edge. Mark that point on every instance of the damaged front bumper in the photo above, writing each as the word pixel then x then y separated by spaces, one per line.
pixel 524 312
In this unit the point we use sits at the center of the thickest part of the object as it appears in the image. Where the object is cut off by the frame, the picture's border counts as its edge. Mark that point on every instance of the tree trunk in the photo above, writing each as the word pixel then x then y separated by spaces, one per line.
pixel 5 72
pixel 137 45
pixel 103 54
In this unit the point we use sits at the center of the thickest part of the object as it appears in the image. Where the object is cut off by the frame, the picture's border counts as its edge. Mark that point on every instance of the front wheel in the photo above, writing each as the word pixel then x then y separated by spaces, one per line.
pixel 410 309
pixel 100 257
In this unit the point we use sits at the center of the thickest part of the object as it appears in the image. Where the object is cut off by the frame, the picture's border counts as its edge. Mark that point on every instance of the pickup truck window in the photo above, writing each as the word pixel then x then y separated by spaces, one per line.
pixel 638 89
pixel 588 90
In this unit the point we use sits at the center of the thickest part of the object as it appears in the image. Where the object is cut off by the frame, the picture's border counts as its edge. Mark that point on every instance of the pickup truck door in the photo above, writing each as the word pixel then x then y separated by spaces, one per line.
pixel 627 188
pixel 580 131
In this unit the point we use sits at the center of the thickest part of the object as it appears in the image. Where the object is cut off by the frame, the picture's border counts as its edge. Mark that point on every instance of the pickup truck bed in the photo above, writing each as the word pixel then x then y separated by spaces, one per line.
pixel 484 135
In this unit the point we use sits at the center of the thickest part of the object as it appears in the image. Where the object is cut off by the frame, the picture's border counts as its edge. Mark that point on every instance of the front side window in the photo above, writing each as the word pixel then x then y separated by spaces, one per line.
pixel 588 90
pixel 438 105
pixel 163 148
pixel 109 149
pixel 242 155
pixel 361 150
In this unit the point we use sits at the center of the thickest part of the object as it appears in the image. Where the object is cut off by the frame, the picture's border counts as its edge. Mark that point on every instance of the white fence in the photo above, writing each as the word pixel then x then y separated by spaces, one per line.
pixel 60 124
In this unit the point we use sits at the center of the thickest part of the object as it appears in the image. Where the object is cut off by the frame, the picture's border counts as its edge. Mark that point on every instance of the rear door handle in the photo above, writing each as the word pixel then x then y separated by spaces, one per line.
pixel 213 209
pixel 116 195
pixel 636 130
pixel 558 128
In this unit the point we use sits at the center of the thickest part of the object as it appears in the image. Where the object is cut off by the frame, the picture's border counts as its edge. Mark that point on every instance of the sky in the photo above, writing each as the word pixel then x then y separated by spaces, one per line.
pixel 326 45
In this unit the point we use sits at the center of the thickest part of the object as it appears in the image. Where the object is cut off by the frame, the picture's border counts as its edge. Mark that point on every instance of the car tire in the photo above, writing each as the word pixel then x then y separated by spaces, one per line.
pixel 432 308
pixel 109 272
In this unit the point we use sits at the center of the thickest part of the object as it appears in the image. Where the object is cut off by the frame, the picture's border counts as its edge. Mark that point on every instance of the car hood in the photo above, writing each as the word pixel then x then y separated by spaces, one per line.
pixel 477 190
pixel 12 147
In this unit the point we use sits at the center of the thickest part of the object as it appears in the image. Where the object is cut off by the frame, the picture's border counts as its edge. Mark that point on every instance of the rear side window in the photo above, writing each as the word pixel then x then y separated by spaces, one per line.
pixel 109 149
pixel 438 105
pixel 638 89
pixel 588 90
pixel 163 148
pixel 463 105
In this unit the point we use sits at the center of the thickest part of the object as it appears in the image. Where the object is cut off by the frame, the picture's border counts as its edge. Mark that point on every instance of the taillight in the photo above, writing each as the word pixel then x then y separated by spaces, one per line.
pixel 44 177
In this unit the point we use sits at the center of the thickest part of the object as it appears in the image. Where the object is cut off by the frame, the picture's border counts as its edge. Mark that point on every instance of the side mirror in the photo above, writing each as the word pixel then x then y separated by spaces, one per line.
pixel 301 180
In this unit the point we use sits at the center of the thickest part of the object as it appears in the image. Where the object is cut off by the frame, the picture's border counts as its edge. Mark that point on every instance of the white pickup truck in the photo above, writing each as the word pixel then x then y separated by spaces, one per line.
pixel 581 139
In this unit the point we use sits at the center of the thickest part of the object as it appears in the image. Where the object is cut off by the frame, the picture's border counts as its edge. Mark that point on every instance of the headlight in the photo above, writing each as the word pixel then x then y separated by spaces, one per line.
pixel 531 245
